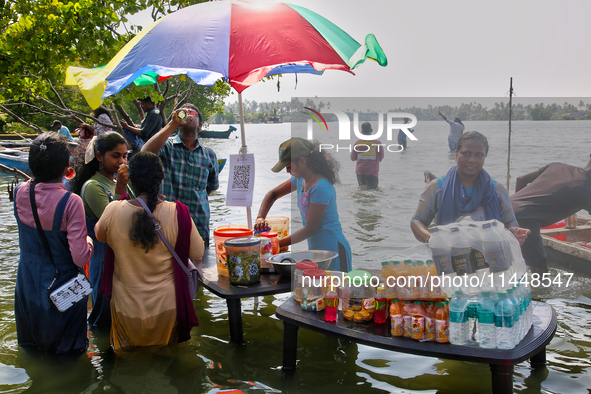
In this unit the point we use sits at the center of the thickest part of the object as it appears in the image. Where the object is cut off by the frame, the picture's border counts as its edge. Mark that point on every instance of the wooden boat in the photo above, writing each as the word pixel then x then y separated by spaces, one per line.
pixel 216 134
pixel 15 158
pixel 569 250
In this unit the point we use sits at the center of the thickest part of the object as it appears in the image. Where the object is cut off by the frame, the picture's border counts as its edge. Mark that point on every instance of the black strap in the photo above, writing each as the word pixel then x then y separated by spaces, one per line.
pixel 44 240
pixel 163 238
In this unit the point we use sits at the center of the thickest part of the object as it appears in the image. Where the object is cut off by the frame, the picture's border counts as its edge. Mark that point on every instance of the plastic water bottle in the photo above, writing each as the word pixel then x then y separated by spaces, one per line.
pixel 517 319
pixel 496 256
pixel 458 320
pixel 472 311
pixel 439 243
pixel 504 322
pixel 486 321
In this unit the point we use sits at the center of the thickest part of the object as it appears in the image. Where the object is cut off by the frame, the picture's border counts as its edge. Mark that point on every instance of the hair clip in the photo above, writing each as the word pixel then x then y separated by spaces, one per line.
pixel 42 147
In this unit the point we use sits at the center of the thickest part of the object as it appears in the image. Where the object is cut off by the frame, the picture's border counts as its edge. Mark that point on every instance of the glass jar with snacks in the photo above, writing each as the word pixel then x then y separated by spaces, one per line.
pixel 296 286
pixel 313 289
pixel 358 296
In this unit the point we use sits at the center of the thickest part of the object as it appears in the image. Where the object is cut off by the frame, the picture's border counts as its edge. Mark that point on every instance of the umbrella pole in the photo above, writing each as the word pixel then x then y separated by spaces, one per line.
pixel 243 151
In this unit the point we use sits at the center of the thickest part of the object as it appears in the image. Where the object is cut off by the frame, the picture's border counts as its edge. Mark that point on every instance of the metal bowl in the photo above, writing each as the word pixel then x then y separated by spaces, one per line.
pixel 284 263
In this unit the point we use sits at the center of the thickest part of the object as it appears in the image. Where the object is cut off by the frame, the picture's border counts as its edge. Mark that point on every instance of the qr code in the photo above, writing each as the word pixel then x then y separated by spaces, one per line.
pixel 241 177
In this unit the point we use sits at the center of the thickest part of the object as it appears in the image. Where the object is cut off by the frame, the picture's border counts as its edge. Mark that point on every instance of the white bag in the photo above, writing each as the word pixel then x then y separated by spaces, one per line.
pixel 68 294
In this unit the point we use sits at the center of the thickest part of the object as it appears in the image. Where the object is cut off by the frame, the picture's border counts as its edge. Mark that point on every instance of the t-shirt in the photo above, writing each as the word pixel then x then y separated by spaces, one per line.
pixel 455 130
pixel 66 132
pixel 368 155
pixel 558 192
pixel 151 124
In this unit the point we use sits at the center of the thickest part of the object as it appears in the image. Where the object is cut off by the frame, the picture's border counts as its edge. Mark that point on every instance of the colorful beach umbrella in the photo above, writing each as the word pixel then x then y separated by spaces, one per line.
pixel 238 41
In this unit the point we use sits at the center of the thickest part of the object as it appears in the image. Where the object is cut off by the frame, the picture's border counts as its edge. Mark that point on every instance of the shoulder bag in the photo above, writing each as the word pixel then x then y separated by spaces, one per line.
pixel 191 270
pixel 76 289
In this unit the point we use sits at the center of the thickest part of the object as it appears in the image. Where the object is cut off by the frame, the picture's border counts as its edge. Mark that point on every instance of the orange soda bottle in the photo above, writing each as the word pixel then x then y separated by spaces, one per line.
pixel 396 319
pixel 441 323
pixel 430 321
pixel 418 321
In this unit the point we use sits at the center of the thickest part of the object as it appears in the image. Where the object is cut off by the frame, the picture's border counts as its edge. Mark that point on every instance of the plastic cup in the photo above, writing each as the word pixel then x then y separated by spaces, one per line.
pixel 221 235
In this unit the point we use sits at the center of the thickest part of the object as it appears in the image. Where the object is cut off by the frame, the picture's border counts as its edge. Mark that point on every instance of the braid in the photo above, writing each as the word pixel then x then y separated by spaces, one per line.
pixel 146 175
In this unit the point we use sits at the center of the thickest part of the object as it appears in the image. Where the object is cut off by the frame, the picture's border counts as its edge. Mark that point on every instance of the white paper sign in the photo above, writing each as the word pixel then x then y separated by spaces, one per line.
pixel 240 181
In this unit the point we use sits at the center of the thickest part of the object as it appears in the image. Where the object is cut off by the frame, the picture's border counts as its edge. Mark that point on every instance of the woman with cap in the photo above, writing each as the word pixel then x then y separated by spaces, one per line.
pixel 313 175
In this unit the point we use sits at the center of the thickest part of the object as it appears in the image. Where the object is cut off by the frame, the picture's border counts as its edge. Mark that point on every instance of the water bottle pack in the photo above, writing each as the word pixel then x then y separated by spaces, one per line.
pixel 472 257
pixel 491 320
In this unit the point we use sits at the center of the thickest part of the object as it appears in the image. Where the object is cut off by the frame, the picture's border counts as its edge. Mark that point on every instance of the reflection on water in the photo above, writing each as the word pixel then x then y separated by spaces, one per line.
pixel 376 223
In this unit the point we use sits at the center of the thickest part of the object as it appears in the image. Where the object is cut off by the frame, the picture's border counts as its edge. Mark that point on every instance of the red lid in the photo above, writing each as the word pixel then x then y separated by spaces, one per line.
pixel 306 264
pixel 314 273
pixel 269 234
pixel 231 232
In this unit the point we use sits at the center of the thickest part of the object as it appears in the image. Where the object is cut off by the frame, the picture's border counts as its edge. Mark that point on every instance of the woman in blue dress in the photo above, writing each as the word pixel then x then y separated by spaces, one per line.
pixel 39 324
pixel 313 175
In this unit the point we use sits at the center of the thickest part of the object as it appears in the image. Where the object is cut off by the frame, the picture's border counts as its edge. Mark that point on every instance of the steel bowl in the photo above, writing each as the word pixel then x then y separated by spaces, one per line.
pixel 285 263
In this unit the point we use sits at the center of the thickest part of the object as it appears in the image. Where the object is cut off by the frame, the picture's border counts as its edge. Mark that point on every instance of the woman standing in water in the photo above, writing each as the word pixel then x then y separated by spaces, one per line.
pixel 61 216
pixel 150 299
pixel 313 175
pixel 96 166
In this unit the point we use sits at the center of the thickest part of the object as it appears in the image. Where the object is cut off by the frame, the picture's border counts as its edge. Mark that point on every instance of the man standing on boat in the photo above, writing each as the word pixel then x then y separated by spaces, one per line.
pixel 545 196
pixel 456 129
pixel 63 130
pixel 190 169
pixel 151 124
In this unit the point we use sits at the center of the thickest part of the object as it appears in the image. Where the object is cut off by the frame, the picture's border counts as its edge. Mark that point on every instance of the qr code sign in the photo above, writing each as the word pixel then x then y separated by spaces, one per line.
pixel 241 177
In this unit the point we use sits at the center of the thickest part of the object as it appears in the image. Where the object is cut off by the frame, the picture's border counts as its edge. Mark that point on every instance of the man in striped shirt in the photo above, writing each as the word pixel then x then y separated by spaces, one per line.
pixel 191 169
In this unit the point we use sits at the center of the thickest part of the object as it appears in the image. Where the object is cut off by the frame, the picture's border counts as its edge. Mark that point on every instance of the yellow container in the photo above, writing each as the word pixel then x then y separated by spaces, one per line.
pixel 221 235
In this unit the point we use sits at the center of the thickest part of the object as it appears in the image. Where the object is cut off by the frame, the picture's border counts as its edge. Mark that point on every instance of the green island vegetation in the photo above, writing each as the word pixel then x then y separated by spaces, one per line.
pixel 40 39
pixel 293 111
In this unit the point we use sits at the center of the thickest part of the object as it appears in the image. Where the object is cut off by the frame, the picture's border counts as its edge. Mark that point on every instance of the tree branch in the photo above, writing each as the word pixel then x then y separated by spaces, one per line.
pixel 22 121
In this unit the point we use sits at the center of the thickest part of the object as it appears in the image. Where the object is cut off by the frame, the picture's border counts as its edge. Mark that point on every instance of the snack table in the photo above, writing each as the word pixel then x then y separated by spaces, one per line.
pixel 220 285
pixel 532 347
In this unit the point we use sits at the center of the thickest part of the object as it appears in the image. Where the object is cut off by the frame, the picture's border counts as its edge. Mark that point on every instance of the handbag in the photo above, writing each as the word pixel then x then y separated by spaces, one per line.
pixel 190 270
pixel 73 291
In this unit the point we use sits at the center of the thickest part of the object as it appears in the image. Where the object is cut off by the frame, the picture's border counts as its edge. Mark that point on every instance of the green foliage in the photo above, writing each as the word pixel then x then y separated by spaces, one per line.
pixel 541 113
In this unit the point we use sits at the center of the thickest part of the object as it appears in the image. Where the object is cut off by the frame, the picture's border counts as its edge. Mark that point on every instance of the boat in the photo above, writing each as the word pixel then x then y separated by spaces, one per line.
pixel 567 248
pixel 221 164
pixel 15 158
pixel 216 134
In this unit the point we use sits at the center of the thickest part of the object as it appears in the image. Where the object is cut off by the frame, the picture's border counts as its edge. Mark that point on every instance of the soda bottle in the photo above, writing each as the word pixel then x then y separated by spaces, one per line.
pixel 407 319
pixel 421 288
pixel 396 319
pixel 433 292
pixel 458 320
pixel 430 325
pixel 441 323
pixel 381 303
pixel 331 303
pixel 504 322
pixel 486 321
pixel 418 321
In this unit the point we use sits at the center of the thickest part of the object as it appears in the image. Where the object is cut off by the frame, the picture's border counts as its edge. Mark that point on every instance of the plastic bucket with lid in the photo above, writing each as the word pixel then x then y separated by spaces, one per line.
pixel 221 235
pixel 280 225
pixel 244 260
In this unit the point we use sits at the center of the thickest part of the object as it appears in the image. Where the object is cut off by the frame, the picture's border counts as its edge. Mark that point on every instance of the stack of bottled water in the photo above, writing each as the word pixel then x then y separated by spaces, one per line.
pixel 472 257
pixel 492 320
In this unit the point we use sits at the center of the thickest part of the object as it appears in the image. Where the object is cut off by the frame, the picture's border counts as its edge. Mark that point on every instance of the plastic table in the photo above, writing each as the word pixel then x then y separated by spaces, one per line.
pixel 533 345
pixel 219 285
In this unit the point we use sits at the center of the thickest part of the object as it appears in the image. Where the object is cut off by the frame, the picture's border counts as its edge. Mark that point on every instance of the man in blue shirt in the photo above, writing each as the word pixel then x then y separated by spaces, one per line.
pixel 151 124
pixel 63 130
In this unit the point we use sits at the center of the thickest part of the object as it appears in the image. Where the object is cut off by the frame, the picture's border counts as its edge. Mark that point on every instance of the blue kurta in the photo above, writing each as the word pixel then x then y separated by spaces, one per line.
pixel 329 234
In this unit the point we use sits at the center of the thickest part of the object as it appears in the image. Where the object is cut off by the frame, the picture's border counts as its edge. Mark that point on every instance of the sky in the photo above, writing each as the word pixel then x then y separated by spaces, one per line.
pixel 453 48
